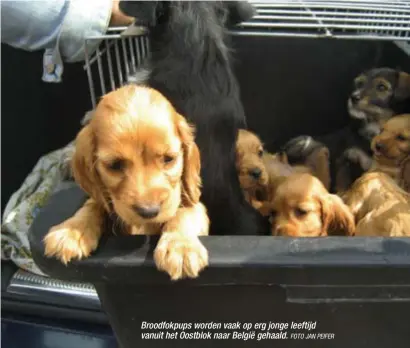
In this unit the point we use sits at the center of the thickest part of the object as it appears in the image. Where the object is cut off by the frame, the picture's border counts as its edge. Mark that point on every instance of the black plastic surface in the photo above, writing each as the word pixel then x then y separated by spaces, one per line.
pixel 33 331
pixel 345 284
pixel 8 268
pixel 355 325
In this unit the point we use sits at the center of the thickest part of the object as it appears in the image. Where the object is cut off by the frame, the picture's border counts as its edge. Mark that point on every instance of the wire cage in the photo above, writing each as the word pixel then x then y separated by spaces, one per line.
pixel 115 60
pixel 122 50
pixel 343 19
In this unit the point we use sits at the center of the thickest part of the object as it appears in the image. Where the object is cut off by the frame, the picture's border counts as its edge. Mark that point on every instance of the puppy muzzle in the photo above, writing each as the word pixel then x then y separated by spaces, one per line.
pixel 147 212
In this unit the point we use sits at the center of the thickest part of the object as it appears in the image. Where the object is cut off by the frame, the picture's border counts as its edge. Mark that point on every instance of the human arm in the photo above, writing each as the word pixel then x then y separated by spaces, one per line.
pixel 59 27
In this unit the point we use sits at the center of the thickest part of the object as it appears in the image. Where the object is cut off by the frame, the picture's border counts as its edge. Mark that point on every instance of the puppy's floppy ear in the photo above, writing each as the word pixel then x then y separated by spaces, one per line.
pixel 238 12
pixel 145 12
pixel 191 179
pixel 336 217
pixel 83 166
pixel 402 90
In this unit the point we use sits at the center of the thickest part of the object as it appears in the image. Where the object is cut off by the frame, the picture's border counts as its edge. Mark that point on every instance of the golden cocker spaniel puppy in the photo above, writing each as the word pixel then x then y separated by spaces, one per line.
pixel 302 207
pixel 137 159
pixel 391 148
pixel 250 165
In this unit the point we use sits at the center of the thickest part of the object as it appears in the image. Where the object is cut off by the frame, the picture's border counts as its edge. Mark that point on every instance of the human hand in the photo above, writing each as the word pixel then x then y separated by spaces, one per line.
pixel 118 18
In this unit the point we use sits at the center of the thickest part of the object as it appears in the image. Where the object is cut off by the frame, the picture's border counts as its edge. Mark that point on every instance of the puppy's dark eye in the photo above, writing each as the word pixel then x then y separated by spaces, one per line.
pixel 401 137
pixel 381 87
pixel 300 212
pixel 116 165
pixel 272 214
pixel 168 159
pixel 260 153
pixel 359 84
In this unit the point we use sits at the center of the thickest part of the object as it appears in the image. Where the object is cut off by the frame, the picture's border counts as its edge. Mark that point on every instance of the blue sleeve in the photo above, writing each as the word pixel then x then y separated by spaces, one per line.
pixel 57 26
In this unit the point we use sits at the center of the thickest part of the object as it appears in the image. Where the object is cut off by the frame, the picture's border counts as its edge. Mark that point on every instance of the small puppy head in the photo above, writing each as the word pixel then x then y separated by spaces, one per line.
pixel 249 161
pixel 138 156
pixel 377 95
pixel 302 207
pixel 392 145
pixel 377 92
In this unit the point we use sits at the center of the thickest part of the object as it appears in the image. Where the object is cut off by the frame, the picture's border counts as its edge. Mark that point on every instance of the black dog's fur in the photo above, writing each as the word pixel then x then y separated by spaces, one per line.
pixel 191 66
pixel 350 147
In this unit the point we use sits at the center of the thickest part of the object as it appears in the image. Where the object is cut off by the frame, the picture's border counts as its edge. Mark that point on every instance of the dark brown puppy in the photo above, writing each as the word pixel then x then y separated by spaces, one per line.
pixel 377 95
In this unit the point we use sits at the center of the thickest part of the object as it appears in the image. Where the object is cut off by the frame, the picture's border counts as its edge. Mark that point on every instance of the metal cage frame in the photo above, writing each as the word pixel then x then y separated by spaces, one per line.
pixel 331 19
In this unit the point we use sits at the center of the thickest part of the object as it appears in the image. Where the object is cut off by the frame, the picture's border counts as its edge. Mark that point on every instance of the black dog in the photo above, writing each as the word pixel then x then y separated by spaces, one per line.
pixel 190 65
pixel 377 95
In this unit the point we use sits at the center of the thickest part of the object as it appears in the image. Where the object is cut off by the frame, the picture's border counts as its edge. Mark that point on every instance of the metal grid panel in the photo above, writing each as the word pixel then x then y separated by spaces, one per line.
pixel 347 19
pixel 385 20
pixel 122 50
pixel 115 60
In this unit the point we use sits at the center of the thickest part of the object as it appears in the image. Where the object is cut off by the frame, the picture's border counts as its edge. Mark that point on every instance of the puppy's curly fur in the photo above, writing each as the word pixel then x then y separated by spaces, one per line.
pixel 190 64
pixel 137 159
pixel 302 207
pixel 380 206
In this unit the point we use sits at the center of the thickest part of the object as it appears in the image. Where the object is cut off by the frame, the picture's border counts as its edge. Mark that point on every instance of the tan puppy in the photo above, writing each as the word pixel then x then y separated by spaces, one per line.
pixel 392 147
pixel 137 159
pixel 380 206
pixel 250 166
pixel 302 207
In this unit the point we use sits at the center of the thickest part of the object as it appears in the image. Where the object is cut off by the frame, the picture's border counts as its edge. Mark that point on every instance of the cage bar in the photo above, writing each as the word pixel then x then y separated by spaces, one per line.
pixel 343 19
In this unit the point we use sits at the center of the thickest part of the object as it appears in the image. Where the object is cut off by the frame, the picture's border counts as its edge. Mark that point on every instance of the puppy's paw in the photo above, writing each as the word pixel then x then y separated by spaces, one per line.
pixel 71 240
pixel 180 255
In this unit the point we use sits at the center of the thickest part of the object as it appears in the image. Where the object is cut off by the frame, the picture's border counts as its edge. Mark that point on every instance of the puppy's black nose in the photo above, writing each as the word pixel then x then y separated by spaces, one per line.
pixel 147 212
pixel 354 98
pixel 255 173
pixel 379 147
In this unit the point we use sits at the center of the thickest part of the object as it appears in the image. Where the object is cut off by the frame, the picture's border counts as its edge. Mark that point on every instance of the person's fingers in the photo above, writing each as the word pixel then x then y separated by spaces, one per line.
pixel 118 18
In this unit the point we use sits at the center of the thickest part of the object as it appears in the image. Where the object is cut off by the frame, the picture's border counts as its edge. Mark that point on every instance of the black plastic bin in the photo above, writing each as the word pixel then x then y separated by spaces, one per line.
pixel 356 290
